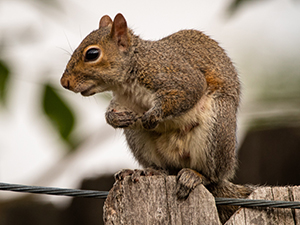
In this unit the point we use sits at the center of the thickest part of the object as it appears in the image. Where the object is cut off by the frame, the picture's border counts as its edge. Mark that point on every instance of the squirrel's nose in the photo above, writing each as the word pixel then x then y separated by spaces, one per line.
pixel 65 82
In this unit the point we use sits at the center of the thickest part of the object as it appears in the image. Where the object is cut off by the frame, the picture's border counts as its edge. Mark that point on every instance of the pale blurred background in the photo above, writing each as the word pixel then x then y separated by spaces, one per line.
pixel 53 137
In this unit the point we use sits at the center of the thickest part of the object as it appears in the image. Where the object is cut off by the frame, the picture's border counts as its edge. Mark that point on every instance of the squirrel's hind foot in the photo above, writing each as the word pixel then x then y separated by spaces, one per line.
pixel 187 180
pixel 136 174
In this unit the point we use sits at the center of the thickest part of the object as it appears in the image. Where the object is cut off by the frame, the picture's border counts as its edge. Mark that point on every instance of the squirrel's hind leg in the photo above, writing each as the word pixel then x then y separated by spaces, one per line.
pixel 187 180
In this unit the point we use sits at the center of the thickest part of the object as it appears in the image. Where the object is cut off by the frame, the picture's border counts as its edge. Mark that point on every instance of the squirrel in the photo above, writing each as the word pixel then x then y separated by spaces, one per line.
pixel 176 100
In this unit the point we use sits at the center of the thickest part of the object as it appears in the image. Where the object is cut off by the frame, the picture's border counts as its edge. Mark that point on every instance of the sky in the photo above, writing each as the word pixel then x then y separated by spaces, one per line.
pixel 38 41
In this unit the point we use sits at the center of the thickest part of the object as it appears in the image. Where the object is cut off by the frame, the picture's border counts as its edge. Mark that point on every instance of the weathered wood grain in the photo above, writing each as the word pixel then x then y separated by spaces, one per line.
pixel 153 200
pixel 262 216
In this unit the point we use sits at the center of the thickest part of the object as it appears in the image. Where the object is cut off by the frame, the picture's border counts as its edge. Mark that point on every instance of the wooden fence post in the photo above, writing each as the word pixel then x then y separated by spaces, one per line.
pixel 152 200
pixel 261 216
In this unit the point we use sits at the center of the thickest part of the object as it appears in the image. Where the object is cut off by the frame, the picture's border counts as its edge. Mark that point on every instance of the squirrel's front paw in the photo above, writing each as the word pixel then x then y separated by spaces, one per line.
pixel 151 118
pixel 187 180
pixel 120 119
pixel 136 174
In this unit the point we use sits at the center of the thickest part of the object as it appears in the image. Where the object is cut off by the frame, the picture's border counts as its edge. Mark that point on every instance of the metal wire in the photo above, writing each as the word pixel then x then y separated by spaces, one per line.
pixel 103 195
pixel 258 203
pixel 53 191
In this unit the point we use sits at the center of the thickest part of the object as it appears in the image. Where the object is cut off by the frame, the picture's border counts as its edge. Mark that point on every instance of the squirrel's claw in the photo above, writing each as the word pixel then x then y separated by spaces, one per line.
pixel 187 180
pixel 122 174
pixel 120 119
pixel 136 174
pixel 151 118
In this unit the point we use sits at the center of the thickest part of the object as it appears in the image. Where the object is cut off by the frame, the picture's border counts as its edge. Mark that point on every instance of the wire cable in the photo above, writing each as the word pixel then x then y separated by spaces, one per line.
pixel 258 203
pixel 103 195
pixel 53 191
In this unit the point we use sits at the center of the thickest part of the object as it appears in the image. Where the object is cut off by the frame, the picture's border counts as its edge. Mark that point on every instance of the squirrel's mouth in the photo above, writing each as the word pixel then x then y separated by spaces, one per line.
pixel 88 91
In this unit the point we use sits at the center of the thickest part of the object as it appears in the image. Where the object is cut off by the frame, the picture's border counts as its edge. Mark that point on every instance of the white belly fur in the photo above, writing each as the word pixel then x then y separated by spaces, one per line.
pixel 186 150
pixel 189 149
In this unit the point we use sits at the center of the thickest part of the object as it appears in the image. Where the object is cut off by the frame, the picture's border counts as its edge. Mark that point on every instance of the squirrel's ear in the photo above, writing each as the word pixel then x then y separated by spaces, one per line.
pixel 105 21
pixel 119 31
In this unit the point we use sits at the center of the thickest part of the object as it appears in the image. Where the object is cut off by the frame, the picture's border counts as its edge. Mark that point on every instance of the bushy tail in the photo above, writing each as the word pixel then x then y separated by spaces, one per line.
pixel 226 189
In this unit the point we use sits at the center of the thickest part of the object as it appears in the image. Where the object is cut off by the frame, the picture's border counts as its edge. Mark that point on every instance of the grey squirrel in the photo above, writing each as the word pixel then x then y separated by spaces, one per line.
pixel 176 100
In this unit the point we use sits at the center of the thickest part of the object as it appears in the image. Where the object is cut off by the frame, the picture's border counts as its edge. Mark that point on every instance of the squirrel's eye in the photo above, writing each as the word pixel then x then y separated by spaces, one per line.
pixel 92 54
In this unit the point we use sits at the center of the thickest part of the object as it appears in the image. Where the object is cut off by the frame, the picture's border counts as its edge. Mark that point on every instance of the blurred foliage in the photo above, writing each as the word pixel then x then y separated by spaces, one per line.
pixel 59 113
pixel 55 4
pixel 282 85
pixel 4 78
pixel 277 101
pixel 236 4
pixel 273 122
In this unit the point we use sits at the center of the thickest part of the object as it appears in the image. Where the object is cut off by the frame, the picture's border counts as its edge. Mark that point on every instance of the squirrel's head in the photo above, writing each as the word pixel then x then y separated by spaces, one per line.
pixel 99 62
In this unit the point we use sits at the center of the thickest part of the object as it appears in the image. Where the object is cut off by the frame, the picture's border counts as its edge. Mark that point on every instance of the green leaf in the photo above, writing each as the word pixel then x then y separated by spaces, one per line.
pixel 59 113
pixel 4 78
